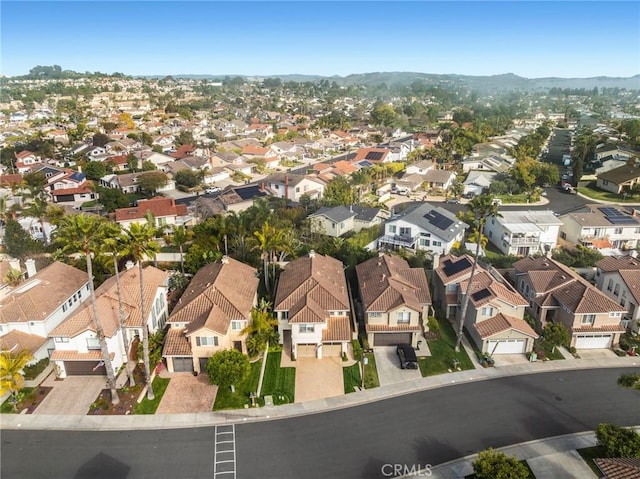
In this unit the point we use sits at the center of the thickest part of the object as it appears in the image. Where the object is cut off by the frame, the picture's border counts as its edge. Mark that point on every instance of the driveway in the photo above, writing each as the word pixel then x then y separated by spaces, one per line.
pixel 187 393
pixel 389 371
pixel 72 395
pixel 318 378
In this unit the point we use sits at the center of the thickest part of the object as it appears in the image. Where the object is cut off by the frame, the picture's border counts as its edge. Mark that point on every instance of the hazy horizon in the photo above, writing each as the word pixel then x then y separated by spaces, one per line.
pixel 145 38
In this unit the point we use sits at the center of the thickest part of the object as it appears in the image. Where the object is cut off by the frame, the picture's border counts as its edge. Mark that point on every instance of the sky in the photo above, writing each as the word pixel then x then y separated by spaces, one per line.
pixel 530 39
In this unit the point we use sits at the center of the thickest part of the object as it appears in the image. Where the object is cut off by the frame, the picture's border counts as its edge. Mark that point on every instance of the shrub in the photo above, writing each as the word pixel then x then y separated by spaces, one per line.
pixel 556 334
pixel 432 324
pixel 492 464
pixel 32 371
pixel 617 441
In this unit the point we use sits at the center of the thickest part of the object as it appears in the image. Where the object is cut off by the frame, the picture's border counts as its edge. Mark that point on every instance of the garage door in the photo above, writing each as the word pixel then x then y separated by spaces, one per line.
pixel 331 350
pixel 507 346
pixel 593 341
pixel 391 339
pixel 306 350
pixel 85 368
pixel 183 365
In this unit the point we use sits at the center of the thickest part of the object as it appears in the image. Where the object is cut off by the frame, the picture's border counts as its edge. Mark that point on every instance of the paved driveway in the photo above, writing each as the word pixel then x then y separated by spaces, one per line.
pixel 187 393
pixel 73 395
pixel 560 464
pixel 318 378
pixel 389 371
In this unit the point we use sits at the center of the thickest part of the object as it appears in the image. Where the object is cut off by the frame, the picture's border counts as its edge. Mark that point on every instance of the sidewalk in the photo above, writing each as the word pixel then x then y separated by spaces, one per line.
pixel 115 423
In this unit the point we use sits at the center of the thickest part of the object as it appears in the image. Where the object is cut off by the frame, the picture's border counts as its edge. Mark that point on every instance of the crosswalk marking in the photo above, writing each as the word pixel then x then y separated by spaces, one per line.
pixel 224 452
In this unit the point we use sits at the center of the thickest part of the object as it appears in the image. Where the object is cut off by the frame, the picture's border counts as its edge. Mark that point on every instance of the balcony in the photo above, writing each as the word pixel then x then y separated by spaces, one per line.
pixel 522 241
pixel 397 240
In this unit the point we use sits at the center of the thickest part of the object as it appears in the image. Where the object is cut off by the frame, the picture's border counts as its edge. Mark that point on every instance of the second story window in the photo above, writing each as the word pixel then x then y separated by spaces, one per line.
pixel 93 343
pixel 236 325
pixel 306 328
pixel 588 319
pixel 404 317
pixel 616 290
pixel 206 340
pixel 610 285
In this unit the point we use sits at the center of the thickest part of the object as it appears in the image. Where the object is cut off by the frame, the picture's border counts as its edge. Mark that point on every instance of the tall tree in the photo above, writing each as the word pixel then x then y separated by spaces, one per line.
pixel 179 236
pixel 112 244
pixel 11 375
pixel 84 234
pixel 140 243
pixel 481 207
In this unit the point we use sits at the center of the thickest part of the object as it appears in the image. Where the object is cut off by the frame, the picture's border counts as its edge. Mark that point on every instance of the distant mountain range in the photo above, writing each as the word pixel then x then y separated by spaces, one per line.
pixel 507 81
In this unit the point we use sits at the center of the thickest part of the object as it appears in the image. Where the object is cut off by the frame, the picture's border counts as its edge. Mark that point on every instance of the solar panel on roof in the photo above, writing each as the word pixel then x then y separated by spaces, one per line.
pixel 455 268
pixel 608 211
pixel 438 220
pixel 483 293
pixel 374 155
pixel 365 163
pixel 622 220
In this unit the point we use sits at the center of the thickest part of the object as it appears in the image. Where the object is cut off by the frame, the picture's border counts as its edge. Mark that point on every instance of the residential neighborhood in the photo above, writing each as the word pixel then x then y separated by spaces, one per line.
pixel 181 246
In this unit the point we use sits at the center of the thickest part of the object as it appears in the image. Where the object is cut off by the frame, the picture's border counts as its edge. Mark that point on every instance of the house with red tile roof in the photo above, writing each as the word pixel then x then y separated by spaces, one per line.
pixel 25 160
pixel 494 318
pixel 558 294
pixel 395 299
pixel 77 349
pixel 312 307
pixel 164 210
pixel 211 315
pixel 619 279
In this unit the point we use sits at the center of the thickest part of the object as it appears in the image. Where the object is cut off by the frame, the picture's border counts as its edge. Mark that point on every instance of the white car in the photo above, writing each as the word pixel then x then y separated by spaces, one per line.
pixel 212 189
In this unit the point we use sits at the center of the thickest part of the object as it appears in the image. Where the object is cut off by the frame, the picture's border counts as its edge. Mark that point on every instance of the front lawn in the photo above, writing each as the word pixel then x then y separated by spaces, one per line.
pixel 280 383
pixel 596 193
pixel 149 407
pixel 371 372
pixel 352 378
pixel 591 453
pixel 225 399
pixel 547 349
pixel 443 353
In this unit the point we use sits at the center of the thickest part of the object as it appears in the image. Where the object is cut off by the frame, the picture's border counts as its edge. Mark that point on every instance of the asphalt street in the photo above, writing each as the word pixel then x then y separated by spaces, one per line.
pixel 429 427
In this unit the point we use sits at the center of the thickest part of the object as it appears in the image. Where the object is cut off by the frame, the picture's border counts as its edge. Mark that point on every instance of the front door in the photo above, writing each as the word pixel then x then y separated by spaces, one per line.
pixel 238 345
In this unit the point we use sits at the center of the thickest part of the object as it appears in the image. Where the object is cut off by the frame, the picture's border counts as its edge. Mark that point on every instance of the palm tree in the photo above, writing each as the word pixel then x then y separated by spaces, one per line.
pixel 260 330
pixel 112 244
pixel 11 376
pixel 266 239
pixel 84 234
pixel 179 236
pixel 140 243
pixel 482 207
pixel 13 277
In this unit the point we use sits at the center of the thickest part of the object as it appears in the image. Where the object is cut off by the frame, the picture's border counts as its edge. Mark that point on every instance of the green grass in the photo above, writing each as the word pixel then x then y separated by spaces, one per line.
pixel 443 353
pixel 278 382
pixel 225 399
pixel 589 454
pixel 149 407
pixel 352 378
pixel 521 198
pixel 7 407
pixel 371 372
pixel 548 349
pixel 596 193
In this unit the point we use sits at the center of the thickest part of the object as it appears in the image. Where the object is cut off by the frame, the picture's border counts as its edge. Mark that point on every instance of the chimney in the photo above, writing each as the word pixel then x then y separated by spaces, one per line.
pixel 225 259
pixel 436 260
pixel 262 186
pixel 31 267
pixel 312 253
pixel 14 264
pixel 129 264
pixel 79 169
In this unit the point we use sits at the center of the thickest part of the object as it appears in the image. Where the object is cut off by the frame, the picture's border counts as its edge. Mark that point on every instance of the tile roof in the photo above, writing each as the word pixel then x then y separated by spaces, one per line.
pixel 632 280
pixel 64 355
pixel 385 328
pixel 218 293
pixel 338 329
pixel 387 282
pixel 108 307
pixel 453 268
pixel 176 343
pixel 619 468
pixel 16 341
pixel 38 297
pixel 158 206
pixel 608 328
pixel 613 263
pixel 310 287
pixel 501 323
pixel 486 288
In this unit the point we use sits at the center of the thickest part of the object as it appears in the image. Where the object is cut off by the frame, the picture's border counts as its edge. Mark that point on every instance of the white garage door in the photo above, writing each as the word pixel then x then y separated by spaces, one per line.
pixel 593 341
pixel 507 346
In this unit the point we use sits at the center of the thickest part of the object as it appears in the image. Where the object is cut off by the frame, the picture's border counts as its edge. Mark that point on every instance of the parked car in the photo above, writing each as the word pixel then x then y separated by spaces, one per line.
pixel 468 196
pixel 407 356
pixel 452 200
pixel 212 189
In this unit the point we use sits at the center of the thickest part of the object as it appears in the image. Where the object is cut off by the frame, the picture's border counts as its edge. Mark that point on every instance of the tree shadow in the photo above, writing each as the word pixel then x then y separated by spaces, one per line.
pixel 102 466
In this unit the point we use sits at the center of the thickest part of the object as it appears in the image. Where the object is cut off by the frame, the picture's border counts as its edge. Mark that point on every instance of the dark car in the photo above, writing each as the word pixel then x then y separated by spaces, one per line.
pixel 407 356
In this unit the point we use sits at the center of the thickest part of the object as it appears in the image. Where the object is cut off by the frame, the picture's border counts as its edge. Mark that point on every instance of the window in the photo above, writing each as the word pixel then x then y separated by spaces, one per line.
pixel 615 314
pixel 392 229
pixel 404 231
pixel 284 315
pixel 93 343
pixel 61 340
pixel 206 340
pixel 403 317
pixel 491 234
pixel 306 328
pixel 333 225
pixel 375 314
pixel 588 318
pixel 452 287
pixel 617 231
pixel 610 285
pixel 616 290
pixel 424 242
pixel 487 311
pixel 64 308
pixel 436 243
pixel 236 325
